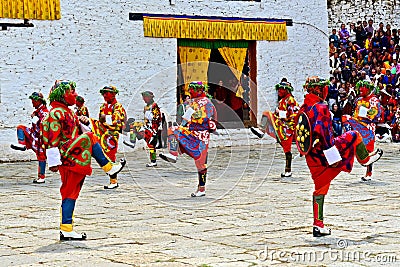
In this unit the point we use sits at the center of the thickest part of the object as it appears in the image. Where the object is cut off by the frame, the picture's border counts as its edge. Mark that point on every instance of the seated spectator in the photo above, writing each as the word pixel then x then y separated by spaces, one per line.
pixel 345 105
pixel 344 34
pixel 334 38
pixel 352 33
pixel 370 27
pixel 361 35
pixel 395 124
pixel 334 64
pixel 336 115
pixel 364 76
pixel 346 66
pixel 333 92
pixel 332 49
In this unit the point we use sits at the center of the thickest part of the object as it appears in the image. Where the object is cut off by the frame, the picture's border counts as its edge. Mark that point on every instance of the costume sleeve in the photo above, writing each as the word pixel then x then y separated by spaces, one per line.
pixel 85 111
pixel 118 118
pixel 292 109
pixel 374 111
pixel 51 129
pixel 101 110
pixel 53 156
pixel 322 128
pixel 213 117
pixel 156 120
pixel 204 112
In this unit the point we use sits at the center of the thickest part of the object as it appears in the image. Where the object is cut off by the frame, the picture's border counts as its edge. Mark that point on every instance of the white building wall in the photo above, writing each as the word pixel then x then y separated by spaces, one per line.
pixel 346 11
pixel 95 44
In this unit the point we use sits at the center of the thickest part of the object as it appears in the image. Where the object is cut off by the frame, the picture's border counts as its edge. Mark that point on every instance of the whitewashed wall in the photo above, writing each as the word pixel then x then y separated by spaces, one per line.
pixel 346 11
pixel 95 44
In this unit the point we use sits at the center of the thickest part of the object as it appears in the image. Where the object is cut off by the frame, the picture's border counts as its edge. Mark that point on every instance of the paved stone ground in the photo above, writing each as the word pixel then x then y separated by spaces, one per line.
pixel 250 216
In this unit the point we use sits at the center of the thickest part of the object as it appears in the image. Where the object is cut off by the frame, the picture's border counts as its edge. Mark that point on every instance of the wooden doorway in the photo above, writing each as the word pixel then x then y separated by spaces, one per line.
pixel 233 111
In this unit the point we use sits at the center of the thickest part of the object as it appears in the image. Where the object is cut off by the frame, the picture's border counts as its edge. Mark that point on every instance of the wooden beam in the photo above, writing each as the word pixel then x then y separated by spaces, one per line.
pixel 139 16
pixel 5 25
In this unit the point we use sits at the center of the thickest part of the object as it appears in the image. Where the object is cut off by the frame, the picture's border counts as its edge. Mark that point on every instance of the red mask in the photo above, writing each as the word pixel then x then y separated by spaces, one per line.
pixel 195 93
pixel 36 103
pixel 282 92
pixel 325 92
pixel 79 104
pixel 70 97
pixel 148 99
pixel 109 97
pixel 363 91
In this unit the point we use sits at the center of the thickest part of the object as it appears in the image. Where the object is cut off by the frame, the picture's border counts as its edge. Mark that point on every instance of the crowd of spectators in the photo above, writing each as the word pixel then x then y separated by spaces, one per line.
pixel 368 52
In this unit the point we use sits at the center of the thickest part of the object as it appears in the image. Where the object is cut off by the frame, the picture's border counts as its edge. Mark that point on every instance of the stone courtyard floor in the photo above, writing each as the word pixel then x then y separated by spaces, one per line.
pixel 249 217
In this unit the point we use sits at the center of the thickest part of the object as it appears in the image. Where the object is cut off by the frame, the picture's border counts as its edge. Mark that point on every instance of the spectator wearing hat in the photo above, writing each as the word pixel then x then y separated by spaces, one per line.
pixel 112 119
pixel 80 108
pixel 364 76
pixel 30 137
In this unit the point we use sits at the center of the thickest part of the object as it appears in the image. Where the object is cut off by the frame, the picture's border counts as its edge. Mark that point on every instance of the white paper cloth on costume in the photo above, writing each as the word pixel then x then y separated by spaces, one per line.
pixel 148 115
pixel 53 157
pixel 188 114
pixel 109 119
pixel 35 119
pixel 332 155
pixel 362 111
pixel 85 128
pixel 282 114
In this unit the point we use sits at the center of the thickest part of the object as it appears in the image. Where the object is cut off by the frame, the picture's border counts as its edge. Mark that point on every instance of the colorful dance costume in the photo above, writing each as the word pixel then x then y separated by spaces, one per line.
pixel 152 121
pixel 149 129
pixel 109 126
pixel 29 138
pixel 327 156
pixel 192 136
pixel 366 113
pixel 70 152
pixel 280 125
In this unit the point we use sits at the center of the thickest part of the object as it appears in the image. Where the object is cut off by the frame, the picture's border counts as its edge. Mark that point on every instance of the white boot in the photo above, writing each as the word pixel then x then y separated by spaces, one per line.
pixel 200 192
pixel 66 236
pixel 373 157
pixel 151 164
pixel 286 174
pixel 18 147
pixel 169 157
pixel 111 186
pixel 257 132
pixel 39 181
pixel 321 231
pixel 117 167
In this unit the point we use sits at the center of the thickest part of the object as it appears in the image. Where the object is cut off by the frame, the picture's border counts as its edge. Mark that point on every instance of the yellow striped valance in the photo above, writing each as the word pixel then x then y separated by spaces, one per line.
pixel 30 9
pixel 197 27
